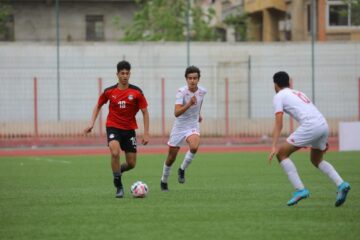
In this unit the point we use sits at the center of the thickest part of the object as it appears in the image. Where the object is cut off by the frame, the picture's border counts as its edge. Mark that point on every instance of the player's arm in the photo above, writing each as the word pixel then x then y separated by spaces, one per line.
pixel 94 115
pixel 200 117
pixel 278 125
pixel 180 109
pixel 146 120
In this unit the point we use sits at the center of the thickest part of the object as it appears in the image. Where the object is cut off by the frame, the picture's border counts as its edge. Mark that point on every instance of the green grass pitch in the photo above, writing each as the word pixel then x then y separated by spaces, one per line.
pixel 226 196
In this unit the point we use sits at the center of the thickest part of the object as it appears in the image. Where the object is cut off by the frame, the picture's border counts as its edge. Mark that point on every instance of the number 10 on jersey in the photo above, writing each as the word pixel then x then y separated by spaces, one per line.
pixel 122 104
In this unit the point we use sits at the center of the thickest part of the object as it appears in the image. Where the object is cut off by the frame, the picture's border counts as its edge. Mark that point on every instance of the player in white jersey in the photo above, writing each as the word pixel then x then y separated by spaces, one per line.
pixel 313 131
pixel 186 127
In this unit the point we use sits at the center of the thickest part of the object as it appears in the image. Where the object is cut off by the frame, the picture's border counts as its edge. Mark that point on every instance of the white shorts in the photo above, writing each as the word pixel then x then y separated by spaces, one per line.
pixel 177 137
pixel 307 135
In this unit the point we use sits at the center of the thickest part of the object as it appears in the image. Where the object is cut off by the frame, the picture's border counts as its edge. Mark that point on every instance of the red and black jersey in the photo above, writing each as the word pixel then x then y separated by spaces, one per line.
pixel 123 106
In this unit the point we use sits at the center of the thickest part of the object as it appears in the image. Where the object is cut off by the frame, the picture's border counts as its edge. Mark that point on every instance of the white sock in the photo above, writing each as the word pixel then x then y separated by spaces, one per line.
pixel 166 173
pixel 187 160
pixel 290 170
pixel 329 170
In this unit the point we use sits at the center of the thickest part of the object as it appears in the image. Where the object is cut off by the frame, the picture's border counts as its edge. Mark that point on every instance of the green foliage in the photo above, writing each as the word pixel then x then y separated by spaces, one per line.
pixel 239 23
pixel 201 25
pixel 355 11
pixel 165 20
pixel 4 14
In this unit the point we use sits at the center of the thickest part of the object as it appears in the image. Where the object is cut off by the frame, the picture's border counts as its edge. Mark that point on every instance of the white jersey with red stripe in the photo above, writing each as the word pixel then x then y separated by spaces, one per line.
pixel 297 105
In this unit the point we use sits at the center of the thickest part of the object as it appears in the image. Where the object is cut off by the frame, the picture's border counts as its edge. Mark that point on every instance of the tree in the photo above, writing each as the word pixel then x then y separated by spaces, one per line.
pixel 355 11
pixel 165 20
pixel 239 22
pixel 202 31
pixel 4 16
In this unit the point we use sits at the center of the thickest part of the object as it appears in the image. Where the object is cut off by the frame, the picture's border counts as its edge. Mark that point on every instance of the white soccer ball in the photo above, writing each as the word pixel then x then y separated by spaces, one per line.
pixel 139 189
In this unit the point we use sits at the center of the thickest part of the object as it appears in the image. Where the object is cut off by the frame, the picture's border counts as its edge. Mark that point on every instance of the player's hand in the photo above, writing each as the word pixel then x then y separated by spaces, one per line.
pixel 193 100
pixel 145 139
pixel 88 129
pixel 272 154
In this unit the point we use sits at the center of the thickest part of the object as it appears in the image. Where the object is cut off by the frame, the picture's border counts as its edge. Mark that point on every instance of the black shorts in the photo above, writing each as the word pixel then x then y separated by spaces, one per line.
pixel 126 138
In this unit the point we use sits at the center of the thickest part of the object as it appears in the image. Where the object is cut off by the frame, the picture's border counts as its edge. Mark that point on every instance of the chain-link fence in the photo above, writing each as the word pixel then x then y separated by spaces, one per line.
pixel 238 78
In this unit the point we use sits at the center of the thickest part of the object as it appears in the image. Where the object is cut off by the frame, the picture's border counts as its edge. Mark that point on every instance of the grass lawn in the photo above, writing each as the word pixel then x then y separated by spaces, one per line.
pixel 226 196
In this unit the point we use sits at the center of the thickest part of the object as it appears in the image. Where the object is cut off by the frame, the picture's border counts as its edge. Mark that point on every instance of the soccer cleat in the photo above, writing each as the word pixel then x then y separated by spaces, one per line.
pixel 164 186
pixel 298 195
pixel 119 192
pixel 181 175
pixel 342 192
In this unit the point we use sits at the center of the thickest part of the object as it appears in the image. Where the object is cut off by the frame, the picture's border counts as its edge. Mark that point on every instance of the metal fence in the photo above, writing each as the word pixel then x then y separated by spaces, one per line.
pixel 238 77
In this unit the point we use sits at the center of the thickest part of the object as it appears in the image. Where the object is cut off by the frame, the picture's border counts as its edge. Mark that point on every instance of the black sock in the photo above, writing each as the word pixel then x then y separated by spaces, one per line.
pixel 123 167
pixel 117 179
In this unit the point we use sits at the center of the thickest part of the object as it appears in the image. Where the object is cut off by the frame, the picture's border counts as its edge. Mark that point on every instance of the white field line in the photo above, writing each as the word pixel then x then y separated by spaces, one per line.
pixel 50 160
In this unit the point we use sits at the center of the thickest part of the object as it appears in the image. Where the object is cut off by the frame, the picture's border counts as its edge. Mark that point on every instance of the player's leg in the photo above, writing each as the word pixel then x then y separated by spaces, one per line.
pixel 114 148
pixel 175 140
pixel 288 166
pixel 130 161
pixel 128 145
pixel 325 167
pixel 171 157
pixel 290 170
pixel 193 141
pixel 298 139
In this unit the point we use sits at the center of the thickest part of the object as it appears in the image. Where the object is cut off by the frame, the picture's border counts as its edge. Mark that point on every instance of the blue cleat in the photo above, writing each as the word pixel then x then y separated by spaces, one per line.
pixel 342 192
pixel 298 195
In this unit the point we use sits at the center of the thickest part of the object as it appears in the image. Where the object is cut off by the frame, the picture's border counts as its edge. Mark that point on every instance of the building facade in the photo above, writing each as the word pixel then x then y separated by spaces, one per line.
pixel 78 20
pixel 223 9
pixel 105 20
pixel 290 20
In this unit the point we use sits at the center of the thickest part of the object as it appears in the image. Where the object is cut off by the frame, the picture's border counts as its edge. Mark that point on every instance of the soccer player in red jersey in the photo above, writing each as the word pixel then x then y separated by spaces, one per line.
pixel 125 100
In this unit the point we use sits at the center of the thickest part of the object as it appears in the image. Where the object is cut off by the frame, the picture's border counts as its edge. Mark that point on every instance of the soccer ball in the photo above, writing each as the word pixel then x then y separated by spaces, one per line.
pixel 139 189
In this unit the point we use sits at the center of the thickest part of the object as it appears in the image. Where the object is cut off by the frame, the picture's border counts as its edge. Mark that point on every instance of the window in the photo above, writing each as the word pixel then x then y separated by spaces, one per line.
pixel 341 14
pixel 338 15
pixel 355 14
pixel 7 29
pixel 94 28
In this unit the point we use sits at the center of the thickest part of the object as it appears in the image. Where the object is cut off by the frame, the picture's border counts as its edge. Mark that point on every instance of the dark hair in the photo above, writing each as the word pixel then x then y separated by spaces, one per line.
pixel 282 79
pixel 192 69
pixel 123 65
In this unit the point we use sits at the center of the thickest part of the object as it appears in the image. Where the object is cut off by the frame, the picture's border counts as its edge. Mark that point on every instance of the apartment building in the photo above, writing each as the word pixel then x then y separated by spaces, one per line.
pixel 78 20
pixel 290 20
pixel 105 20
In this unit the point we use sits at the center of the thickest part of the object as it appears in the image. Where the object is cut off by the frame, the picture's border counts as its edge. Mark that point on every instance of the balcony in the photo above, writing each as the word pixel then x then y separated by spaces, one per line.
pixel 252 6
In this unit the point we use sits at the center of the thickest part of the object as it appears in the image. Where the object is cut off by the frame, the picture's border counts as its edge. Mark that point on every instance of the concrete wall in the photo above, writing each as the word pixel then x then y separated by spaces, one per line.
pixel 36 21
pixel 250 90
